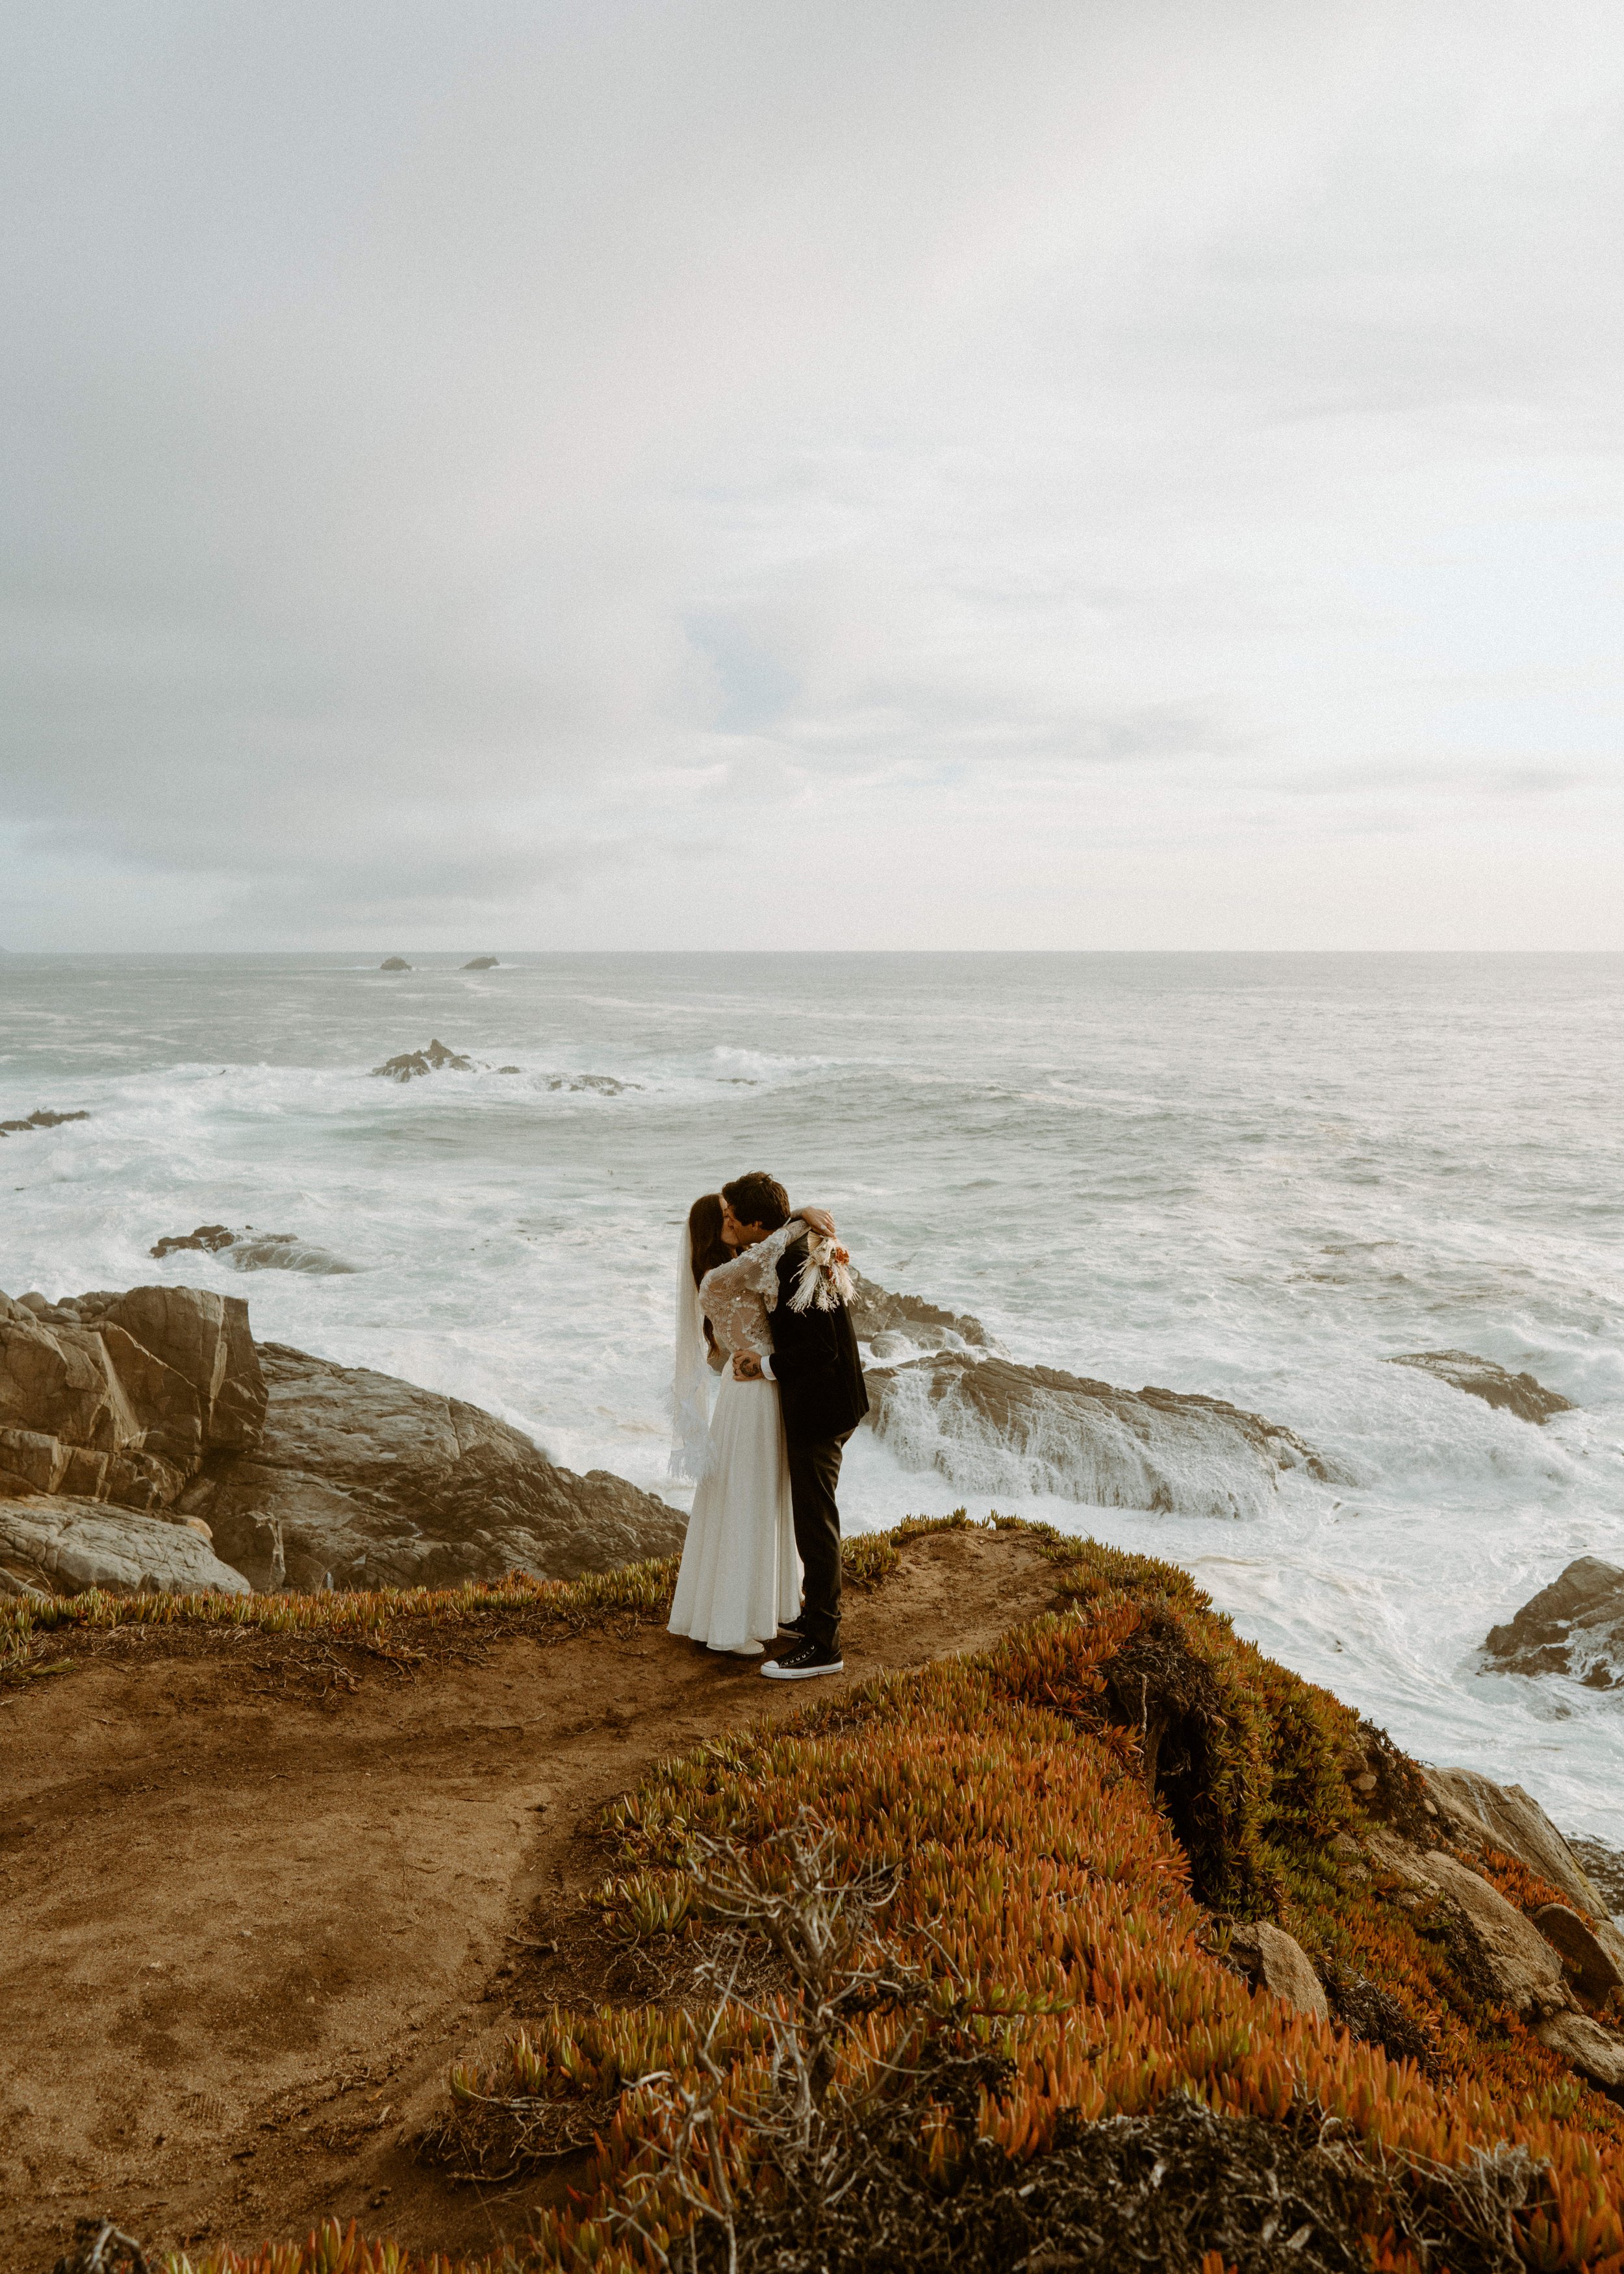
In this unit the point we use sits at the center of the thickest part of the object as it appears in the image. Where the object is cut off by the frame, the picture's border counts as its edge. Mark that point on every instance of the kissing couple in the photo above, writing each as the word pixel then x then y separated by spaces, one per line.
pixel 762 1300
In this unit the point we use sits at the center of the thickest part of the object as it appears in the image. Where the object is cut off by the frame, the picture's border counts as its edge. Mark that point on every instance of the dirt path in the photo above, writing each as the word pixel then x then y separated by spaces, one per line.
pixel 245 1928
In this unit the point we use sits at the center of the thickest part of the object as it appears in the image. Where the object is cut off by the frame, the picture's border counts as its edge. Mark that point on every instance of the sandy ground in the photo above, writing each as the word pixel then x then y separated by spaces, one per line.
pixel 249 1913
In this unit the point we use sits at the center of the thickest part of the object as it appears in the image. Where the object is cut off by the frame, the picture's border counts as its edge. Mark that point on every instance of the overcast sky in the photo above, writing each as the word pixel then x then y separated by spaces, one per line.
pixel 1107 474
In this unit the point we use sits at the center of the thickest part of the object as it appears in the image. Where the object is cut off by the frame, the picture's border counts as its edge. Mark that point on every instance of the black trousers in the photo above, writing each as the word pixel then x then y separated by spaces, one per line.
pixel 813 1472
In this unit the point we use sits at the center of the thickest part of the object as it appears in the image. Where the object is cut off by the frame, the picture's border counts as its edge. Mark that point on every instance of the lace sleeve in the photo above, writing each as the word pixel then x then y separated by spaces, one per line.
pixel 736 1296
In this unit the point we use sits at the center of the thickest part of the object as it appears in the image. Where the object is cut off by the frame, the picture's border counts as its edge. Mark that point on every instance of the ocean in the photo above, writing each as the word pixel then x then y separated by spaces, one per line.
pixel 1259 1176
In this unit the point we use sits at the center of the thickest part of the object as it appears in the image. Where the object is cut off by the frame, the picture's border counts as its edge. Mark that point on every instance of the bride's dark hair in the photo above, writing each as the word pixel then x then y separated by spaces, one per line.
pixel 705 1241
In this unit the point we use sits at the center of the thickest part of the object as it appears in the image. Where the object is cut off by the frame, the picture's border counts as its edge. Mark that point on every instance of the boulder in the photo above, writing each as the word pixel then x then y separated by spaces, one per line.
pixel 1477 1814
pixel 207 1239
pixel 249 1250
pixel 1481 1377
pixel 118 1397
pixel 1574 1626
pixel 380 1483
pixel 1502 1954
pixel 992 1426
pixel 1271 1960
pixel 480 963
pixel 395 963
pixel 409 1065
pixel 59 1546
pixel 1596 2053
pixel 1589 1964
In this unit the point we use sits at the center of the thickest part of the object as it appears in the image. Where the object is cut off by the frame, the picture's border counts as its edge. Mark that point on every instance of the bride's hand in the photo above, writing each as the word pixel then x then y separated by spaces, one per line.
pixel 820 1220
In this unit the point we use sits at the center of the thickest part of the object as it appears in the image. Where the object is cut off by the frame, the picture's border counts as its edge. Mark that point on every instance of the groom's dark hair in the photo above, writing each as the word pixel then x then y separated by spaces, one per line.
pixel 758 1198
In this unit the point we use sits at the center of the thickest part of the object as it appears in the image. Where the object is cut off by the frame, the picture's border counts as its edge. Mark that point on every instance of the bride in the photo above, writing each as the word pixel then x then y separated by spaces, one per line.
pixel 739 1579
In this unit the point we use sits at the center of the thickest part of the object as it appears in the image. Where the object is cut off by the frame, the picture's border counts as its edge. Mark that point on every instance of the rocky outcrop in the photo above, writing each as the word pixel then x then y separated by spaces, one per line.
pixel 395 963
pixel 1481 1377
pixel 409 1065
pixel 992 1426
pixel 40 1119
pixel 157 1404
pixel 893 1324
pixel 54 1547
pixel 1501 1954
pixel 377 1482
pixel 1603 1867
pixel 1476 1814
pixel 1574 1626
pixel 481 963
pixel 1585 2045
pixel 606 1085
pixel 1271 1960
pixel 1589 1964
pixel 249 1250
pixel 118 1397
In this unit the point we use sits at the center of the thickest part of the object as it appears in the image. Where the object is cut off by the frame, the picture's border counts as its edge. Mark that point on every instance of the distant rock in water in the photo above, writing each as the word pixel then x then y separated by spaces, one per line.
pixel 395 963
pixel 1574 1626
pixel 481 963
pixel 436 1059
pixel 992 1426
pixel 604 1084
pixel 877 1314
pixel 249 1250
pixel 380 1483
pixel 40 1119
pixel 1481 1377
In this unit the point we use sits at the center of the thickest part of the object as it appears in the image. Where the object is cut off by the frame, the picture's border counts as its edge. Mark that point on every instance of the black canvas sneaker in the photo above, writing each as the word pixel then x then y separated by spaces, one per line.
pixel 804 1665
pixel 793 1626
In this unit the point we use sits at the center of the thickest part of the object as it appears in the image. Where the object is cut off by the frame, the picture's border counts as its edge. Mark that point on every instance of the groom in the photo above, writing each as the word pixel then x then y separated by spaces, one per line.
pixel 821 1393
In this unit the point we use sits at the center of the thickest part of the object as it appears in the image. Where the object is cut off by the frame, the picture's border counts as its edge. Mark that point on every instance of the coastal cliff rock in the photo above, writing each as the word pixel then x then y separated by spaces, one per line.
pixel 1480 1377
pixel 118 1397
pixel 1476 1814
pixel 993 1426
pixel 377 1483
pixel 155 1408
pixel 1503 1952
pixel 1574 1626
pixel 54 1547
pixel 407 1065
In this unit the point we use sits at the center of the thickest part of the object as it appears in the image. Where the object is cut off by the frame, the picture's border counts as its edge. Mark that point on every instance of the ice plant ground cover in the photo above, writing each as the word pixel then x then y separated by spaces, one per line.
pixel 1061 1825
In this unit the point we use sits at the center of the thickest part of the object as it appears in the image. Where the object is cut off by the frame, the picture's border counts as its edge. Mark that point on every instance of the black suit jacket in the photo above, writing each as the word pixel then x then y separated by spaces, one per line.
pixel 815 1362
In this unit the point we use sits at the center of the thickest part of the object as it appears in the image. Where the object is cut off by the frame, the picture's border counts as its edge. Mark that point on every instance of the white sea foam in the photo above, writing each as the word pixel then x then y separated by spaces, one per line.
pixel 1254 1177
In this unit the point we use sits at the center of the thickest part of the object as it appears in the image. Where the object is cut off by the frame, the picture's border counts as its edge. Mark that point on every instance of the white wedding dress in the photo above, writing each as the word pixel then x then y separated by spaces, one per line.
pixel 740 1575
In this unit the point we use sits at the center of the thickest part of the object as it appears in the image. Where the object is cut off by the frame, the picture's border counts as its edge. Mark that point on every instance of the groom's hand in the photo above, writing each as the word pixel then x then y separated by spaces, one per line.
pixel 746 1367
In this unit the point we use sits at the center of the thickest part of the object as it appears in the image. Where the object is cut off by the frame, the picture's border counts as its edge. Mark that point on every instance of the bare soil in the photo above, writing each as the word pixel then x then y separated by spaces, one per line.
pixel 256 1895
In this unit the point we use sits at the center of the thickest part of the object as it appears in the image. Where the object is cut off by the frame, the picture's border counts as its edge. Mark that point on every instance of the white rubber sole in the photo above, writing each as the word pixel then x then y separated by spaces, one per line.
pixel 775 1670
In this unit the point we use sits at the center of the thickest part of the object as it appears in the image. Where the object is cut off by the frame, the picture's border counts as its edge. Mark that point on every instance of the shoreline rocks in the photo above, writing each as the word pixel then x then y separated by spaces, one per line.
pixel 249 1250
pixel 1480 1377
pixel 481 963
pixel 155 1407
pixel 1574 1626
pixel 877 1316
pixel 377 1482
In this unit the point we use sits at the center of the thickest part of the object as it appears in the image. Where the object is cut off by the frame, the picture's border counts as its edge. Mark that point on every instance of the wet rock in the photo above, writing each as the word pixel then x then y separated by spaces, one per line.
pixel 604 1084
pixel 1503 1955
pixel 1271 1960
pixel 207 1239
pixel 382 1483
pixel 1476 1813
pixel 395 963
pixel 1604 1867
pixel 990 1425
pixel 410 1064
pixel 1589 1964
pixel 1595 2051
pixel 1481 1377
pixel 40 1119
pixel 62 1547
pixel 876 1314
pixel 1574 1626
pixel 481 963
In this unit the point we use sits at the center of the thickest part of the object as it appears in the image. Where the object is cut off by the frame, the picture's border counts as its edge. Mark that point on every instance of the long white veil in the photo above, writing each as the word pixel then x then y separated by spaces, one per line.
pixel 690 1401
